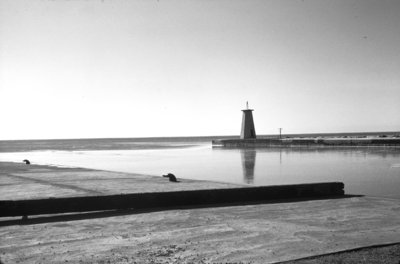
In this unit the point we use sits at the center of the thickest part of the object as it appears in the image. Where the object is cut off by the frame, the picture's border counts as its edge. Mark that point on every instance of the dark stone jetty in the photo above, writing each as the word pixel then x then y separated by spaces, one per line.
pixel 307 142
pixel 168 199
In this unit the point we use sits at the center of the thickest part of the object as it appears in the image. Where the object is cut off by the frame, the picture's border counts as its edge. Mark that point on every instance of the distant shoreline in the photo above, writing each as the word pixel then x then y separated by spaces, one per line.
pixel 156 142
pixel 89 145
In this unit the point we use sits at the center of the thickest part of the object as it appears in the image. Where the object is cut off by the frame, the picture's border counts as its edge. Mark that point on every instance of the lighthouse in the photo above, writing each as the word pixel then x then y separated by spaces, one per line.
pixel 248 130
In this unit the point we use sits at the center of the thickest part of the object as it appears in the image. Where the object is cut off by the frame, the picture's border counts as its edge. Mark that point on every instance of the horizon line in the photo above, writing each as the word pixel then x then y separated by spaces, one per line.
pixel 210 136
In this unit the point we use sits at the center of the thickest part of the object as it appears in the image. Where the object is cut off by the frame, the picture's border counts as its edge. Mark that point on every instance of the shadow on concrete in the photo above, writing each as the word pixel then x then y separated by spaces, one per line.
pixel 41 219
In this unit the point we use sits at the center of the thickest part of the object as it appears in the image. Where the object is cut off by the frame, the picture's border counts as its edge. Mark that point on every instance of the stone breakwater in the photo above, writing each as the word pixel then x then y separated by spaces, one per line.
pixel 308 142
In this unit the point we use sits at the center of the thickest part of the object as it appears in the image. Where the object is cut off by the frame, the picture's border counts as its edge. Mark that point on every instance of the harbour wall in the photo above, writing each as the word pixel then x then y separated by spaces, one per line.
pixel 193 198
pixel 307 142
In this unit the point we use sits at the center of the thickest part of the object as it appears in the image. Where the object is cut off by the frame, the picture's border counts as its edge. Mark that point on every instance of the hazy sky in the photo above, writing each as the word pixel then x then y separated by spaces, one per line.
pixel 125 68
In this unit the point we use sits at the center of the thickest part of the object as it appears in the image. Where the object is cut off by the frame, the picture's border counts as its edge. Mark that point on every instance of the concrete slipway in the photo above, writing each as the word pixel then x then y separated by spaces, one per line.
pixel 252 233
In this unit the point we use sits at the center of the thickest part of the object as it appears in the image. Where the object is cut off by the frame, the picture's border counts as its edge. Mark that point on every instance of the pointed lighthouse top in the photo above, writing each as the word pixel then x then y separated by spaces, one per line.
pixel 247 107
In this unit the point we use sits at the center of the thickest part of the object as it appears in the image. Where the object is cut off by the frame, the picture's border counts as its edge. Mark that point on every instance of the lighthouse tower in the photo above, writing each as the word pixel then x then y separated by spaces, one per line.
pixel 248 130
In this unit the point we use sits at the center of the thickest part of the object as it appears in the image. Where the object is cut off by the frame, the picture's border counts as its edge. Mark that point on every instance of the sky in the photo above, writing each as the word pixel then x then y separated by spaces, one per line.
pixel 143 68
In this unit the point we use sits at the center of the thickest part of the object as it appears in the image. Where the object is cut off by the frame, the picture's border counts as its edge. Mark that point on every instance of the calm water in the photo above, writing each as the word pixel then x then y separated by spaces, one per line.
pixel 368 171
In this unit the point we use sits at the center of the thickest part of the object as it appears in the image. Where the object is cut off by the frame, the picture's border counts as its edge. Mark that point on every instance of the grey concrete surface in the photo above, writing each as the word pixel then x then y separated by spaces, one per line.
pixel 20 181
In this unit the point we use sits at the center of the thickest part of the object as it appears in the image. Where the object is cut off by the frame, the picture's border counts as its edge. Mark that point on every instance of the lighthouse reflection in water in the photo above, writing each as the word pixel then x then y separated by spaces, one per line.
pixel 248 164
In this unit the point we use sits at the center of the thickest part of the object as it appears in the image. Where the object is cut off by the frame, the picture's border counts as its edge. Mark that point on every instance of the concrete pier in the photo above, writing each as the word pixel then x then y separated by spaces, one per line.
pixel 307 142
pixel 239 233
pixel 169 199
pixel 110 191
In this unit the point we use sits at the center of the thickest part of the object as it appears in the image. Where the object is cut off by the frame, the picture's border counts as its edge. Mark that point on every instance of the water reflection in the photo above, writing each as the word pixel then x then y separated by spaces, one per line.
pixel 248 164
pixel 358 151
pixel 369 171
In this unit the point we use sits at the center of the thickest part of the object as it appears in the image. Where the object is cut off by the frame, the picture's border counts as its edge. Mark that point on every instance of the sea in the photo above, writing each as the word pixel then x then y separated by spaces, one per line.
pixel 372 171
